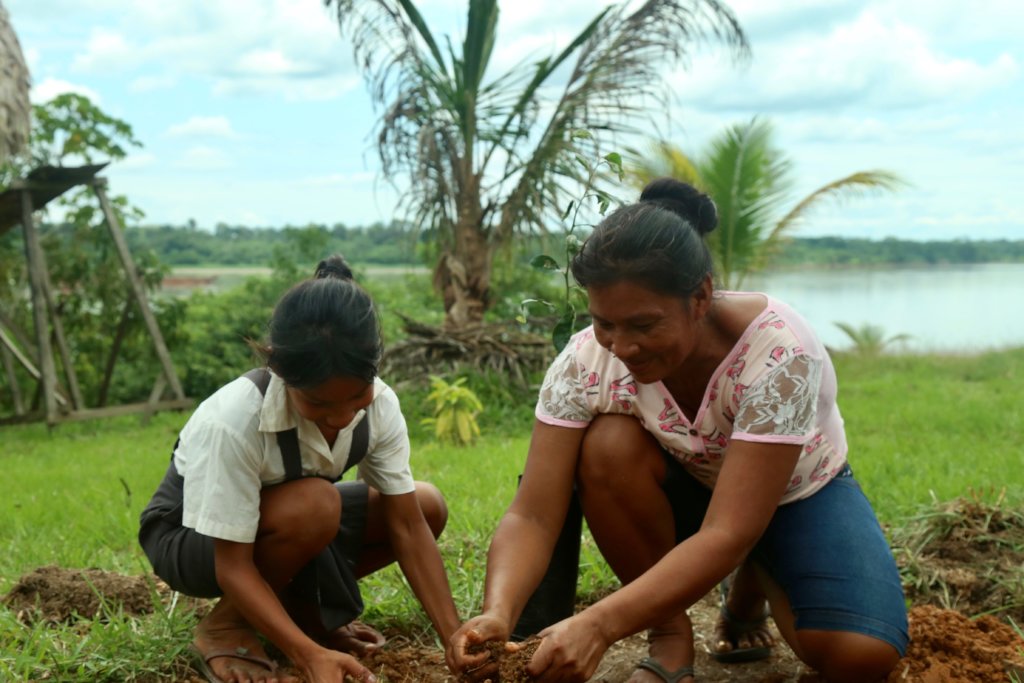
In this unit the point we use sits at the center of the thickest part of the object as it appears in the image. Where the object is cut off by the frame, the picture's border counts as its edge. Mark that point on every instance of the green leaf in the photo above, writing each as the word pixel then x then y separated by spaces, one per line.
pixel 544 262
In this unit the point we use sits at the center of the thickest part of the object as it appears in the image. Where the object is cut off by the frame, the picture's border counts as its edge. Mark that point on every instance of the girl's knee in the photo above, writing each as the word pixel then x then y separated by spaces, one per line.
pixel 305 508
pixel 433 505
pixel 843 656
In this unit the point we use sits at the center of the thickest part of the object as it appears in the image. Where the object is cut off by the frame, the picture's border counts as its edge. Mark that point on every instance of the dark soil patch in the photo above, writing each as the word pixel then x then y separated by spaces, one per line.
pixel 54 594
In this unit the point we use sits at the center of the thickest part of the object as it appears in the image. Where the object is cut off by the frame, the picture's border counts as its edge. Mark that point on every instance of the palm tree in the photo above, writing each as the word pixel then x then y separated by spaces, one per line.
pixel 15 110
pixel 869 339
pixel 489 158
pixel 750 180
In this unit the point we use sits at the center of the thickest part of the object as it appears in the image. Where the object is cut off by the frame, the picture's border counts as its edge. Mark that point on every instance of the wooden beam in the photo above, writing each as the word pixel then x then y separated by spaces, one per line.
pixel 36 268
pixel 19 355
pixel 109 411
pixel 115 348
pixel 12 379
pixel 99 187
pixel 62 342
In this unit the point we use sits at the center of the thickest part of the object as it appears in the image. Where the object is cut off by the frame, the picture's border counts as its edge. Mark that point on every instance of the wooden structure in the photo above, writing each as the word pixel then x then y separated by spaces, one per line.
pixel 57 401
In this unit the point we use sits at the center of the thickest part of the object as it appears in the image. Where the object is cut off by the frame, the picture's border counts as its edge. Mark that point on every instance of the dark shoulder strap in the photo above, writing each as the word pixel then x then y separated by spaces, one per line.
pixel 288 440
pixel 360 443
pixel 260 377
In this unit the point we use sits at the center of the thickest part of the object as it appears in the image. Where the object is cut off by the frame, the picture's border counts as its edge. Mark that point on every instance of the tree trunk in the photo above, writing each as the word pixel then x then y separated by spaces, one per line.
pixel 463 273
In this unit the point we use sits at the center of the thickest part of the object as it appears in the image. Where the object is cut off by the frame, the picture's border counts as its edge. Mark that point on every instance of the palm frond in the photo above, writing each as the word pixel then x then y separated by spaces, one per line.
pixel 855 184
pixel 663 160
pixel 615 81
pixel 748 179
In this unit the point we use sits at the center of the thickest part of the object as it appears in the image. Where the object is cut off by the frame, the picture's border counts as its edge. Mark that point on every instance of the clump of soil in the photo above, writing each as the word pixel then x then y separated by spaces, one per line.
pixel 946 646
pixel 54 594
pixel 511 661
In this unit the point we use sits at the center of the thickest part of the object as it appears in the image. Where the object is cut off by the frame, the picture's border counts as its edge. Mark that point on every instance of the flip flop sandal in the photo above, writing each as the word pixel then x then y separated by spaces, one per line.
pixel 655 667
pixel 737 627
pixel 201 662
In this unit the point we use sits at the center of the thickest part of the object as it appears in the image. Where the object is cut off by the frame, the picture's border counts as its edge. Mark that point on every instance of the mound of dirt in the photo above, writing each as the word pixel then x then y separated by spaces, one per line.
pixel 965 555
pixel 946 646
pixel 54 594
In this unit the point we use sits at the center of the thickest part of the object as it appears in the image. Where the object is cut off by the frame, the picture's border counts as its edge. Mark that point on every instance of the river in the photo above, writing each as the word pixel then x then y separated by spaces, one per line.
pixel 949 308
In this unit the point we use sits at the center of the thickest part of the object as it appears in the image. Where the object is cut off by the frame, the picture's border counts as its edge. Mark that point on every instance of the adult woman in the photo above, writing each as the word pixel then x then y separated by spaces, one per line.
pixel 701 432
pixel 249 510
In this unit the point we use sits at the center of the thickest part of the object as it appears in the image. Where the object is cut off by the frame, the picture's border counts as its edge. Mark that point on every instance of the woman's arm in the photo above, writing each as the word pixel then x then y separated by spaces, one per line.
pixel 418 556
pixel 749 488
pixel 523 543
pixel 525 539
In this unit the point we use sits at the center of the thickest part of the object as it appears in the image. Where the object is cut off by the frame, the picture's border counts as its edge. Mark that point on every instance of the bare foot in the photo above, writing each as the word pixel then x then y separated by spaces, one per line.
pixel 741 630
pixel 670 649
pixel 355 638
pixel 226 647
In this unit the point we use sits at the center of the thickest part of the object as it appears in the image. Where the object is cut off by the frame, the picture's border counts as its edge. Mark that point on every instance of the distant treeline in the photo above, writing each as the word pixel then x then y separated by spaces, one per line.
pixel 397 244
pixel 864 252
pixel 237 245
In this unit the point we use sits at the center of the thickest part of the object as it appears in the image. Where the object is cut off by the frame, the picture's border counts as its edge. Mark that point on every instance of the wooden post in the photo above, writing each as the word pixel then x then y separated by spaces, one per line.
pixel 115 348
pixel 99 187
pixel 36 268
pixel 12 378
pixel 62 343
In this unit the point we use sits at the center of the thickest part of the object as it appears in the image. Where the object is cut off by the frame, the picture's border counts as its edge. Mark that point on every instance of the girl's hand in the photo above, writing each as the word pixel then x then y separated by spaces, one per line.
pixel 329 666
pixel 569 651
pixel 467 654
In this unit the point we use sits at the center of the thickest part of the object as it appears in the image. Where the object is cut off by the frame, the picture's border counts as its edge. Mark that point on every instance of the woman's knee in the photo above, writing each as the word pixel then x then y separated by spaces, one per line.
pixel 843 656
pixel 433 505
pixel 305 509
pixel 614 444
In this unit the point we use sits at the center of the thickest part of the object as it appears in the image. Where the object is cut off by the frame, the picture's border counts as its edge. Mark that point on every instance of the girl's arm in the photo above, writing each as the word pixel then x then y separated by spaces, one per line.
pixel 248 591
pixel 417 554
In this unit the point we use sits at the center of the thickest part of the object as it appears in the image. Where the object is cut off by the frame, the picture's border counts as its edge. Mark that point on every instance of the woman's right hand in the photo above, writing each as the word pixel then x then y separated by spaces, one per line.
pixel 330 666
pixel 464 653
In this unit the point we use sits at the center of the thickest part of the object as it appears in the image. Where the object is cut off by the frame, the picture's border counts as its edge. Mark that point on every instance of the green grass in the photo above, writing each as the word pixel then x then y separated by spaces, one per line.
pixel 919 427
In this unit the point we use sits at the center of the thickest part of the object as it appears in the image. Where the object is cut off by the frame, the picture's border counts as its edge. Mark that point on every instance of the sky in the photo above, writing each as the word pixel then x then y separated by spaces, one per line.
pixel 253 112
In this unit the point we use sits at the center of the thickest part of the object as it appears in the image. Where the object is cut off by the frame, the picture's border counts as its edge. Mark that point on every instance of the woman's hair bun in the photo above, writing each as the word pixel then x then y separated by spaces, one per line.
pixel 684 200
pixel 333 266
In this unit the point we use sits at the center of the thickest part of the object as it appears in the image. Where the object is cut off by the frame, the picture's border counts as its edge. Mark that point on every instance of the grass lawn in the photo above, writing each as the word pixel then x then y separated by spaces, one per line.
pixel 920 428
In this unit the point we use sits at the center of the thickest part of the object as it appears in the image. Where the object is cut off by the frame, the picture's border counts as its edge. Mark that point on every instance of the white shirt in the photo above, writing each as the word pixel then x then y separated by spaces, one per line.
pixel 228 452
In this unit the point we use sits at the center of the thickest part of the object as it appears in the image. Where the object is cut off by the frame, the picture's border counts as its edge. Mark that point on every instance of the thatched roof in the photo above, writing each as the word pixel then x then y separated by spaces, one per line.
pixel 15 110
pixel 44 184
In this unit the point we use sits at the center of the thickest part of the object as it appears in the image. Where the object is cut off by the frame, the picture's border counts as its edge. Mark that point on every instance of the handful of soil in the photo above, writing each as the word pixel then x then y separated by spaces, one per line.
pixel 511 663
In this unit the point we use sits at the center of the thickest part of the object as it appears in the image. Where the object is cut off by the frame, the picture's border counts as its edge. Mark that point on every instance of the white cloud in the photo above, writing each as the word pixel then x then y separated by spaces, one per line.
pixel 49 88
pixel 336 179
pixel 202 158
pixel 137 161
pixel 203 126
pixel 106 50
pixel 151 83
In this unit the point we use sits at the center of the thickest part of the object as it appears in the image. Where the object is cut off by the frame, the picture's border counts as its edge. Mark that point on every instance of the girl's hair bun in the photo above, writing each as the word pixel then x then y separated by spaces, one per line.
pixel 333 266
pixel 684 200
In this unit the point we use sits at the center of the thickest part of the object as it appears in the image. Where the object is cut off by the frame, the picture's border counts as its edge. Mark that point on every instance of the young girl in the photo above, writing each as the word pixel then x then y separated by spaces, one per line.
pixel 249 510
pixel 702 434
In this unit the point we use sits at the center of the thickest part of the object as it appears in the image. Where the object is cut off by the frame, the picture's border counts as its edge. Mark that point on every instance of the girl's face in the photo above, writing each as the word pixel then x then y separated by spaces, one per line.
pixel 653 334
pixel 333 404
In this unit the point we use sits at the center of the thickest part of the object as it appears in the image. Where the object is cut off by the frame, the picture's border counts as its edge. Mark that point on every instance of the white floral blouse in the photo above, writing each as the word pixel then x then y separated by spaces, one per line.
pixel 777 385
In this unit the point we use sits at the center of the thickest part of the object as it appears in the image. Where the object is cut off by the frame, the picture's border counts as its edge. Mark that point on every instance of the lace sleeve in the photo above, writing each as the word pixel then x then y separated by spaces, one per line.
pixel 784 402
pixel 562 395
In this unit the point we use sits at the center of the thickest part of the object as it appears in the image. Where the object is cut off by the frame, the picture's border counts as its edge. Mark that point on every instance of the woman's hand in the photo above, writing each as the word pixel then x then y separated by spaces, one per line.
pixel 466 653
pixel 330 666
pixel 569 651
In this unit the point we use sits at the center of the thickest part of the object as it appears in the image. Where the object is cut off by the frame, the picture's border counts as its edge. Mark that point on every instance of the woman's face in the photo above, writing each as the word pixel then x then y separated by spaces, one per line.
pixel 653 334
pixel 333 404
